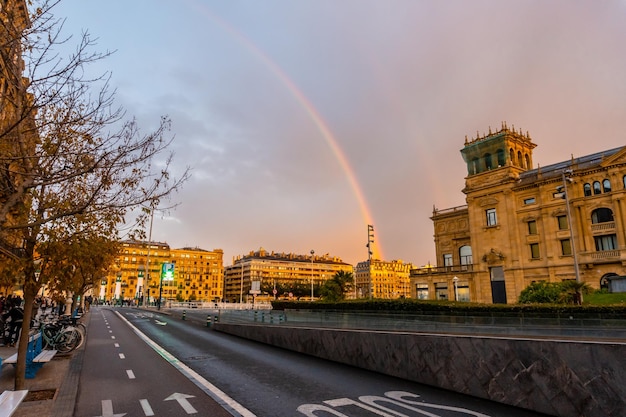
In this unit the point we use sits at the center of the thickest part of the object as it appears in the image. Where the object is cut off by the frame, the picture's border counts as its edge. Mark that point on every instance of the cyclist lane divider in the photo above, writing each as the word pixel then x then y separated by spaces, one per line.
pixel 36 357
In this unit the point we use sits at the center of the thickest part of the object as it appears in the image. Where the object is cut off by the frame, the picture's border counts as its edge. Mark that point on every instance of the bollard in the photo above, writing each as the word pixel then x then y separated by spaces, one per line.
pixel 184 315
pixel 215 319
pixel 208 320
pixel 271 319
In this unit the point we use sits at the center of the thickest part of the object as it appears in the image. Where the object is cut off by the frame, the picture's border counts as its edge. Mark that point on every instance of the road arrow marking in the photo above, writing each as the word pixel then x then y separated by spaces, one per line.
pixel 160 323
pixel 147 410
pixel 107 409
pixel 182 400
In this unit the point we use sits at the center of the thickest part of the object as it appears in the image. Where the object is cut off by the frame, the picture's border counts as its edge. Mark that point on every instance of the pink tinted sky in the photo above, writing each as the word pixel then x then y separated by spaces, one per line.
pixel 305 121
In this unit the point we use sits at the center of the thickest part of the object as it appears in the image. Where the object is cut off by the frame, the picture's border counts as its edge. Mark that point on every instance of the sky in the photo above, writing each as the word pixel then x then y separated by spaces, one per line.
pixel 304 121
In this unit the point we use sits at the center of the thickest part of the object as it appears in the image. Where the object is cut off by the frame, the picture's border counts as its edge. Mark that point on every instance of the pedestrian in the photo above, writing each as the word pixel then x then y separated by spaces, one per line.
pixel 16 316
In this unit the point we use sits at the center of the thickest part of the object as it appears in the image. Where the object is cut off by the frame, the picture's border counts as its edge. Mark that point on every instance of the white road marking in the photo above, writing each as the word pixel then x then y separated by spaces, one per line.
pixel 182 400
pixel 130 373
pixel 211 390
pixel 116 344
pixel 107 409
pixel 145 405
pixel 122 356
pixel 112 337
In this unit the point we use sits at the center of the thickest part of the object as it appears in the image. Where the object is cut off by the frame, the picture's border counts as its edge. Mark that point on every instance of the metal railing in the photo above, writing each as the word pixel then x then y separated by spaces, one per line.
pixel 488 324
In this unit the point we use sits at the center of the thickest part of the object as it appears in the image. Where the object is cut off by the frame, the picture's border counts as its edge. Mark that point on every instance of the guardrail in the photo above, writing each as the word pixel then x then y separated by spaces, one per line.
pixel 487 324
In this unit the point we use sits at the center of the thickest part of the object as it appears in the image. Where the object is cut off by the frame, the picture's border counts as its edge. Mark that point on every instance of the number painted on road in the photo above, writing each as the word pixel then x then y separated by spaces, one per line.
pixel 374 404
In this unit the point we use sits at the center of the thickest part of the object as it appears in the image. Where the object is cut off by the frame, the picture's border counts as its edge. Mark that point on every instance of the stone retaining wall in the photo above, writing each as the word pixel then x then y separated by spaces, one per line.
pixel 555 377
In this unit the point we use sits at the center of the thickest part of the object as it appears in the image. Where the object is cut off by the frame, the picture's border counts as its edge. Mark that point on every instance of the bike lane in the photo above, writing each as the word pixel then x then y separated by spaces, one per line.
pixel 123 376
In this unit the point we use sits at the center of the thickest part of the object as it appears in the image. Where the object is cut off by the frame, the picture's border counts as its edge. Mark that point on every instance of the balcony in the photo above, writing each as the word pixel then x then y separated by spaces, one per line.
pixel 603 227
pixel 443 270
pixel 604 256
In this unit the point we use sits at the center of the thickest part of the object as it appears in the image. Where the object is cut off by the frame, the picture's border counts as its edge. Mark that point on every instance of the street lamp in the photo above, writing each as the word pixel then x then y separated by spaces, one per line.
pixel 312 253
pixel 241 293
pixel 455 281
pixel 569 220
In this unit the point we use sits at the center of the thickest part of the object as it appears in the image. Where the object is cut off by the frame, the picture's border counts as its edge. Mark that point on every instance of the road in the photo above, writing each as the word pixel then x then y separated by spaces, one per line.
pixel 215 374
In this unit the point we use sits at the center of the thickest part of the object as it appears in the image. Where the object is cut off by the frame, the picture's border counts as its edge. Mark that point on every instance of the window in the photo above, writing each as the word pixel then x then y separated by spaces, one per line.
pixel 491 217
pixel 529 200
pixel 566 247
pixel 422 291
pixel 562 222
pixel 601 215
pixel 596 187
pixel 534 250
pixel 607 242
pixel 624 181
pixel 532 227
pixel 441 290
pixel 447 259
pixel 587 189
pixel 465 253
pixel 488 163
pixel 606 186
pixel 501 161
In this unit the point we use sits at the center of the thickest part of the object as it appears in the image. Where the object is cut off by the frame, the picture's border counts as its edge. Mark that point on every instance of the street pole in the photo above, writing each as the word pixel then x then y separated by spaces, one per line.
pixel 241 292
pixel 570 224
pixel 147 274
pixel 312 253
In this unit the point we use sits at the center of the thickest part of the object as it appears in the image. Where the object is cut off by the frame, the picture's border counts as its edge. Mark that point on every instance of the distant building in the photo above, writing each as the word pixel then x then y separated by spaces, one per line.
pixel 249 273
pixel 517 226
pixel 383 279
pixel 198 274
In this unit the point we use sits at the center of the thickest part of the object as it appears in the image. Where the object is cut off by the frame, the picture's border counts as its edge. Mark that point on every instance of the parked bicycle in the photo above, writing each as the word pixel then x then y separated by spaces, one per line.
pixel 61 334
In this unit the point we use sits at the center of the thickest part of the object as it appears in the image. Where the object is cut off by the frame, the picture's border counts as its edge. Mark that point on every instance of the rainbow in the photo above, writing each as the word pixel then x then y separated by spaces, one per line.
pixel 308 107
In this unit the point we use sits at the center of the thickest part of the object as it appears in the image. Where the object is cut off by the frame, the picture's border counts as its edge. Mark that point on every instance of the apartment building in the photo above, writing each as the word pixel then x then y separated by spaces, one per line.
pixel 565 221
pixel 137 274
pixel 244 279
pixel 383 279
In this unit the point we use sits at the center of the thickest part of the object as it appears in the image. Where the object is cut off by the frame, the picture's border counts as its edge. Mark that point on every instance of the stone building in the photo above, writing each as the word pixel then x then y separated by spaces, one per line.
pixel 244 278
pixel 565 221
pixel 383 279
pixel 198 274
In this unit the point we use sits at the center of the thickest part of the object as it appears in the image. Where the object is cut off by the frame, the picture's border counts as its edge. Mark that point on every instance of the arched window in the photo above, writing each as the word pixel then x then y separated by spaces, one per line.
pixel 587 189
pixel 512 158
pixel 596 187
pixel 601 215
pixel 520 162
pixel 465 254
pixel 473 166
pixel 501 158
pixel 488 162
pixel 624 181
pixel 527 161
pixel 606 186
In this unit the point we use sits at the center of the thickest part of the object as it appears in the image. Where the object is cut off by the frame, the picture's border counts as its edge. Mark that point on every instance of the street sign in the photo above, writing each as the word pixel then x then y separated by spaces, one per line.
pixel 167 271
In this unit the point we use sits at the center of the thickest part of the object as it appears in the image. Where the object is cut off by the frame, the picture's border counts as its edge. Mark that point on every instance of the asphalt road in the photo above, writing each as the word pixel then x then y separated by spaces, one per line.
pixel 242 377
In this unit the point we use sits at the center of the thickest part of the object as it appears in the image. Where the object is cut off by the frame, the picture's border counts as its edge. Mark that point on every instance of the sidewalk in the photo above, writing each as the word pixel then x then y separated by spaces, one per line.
pixel 52 393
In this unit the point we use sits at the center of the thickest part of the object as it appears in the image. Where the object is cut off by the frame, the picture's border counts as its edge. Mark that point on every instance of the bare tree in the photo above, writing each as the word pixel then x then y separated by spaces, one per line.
pixel 70 160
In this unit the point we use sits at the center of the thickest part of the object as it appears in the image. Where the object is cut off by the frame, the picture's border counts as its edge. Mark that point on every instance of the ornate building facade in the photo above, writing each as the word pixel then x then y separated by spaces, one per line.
pixel 244 278
pixel 198 274
pixel 565 221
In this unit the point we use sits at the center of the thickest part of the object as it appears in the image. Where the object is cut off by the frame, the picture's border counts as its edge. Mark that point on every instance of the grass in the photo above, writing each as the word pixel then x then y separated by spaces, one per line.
pixel 605 298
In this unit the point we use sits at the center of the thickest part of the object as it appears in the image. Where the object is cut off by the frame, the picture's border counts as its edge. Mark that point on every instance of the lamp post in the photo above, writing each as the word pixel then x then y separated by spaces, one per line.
pixel 148 255
pixel 455 282
pixel 569 221
pixel 312 253
pixel 241 292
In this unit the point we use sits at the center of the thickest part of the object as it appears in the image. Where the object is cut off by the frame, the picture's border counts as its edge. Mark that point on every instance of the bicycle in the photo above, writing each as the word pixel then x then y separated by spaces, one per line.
pixel 60 334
